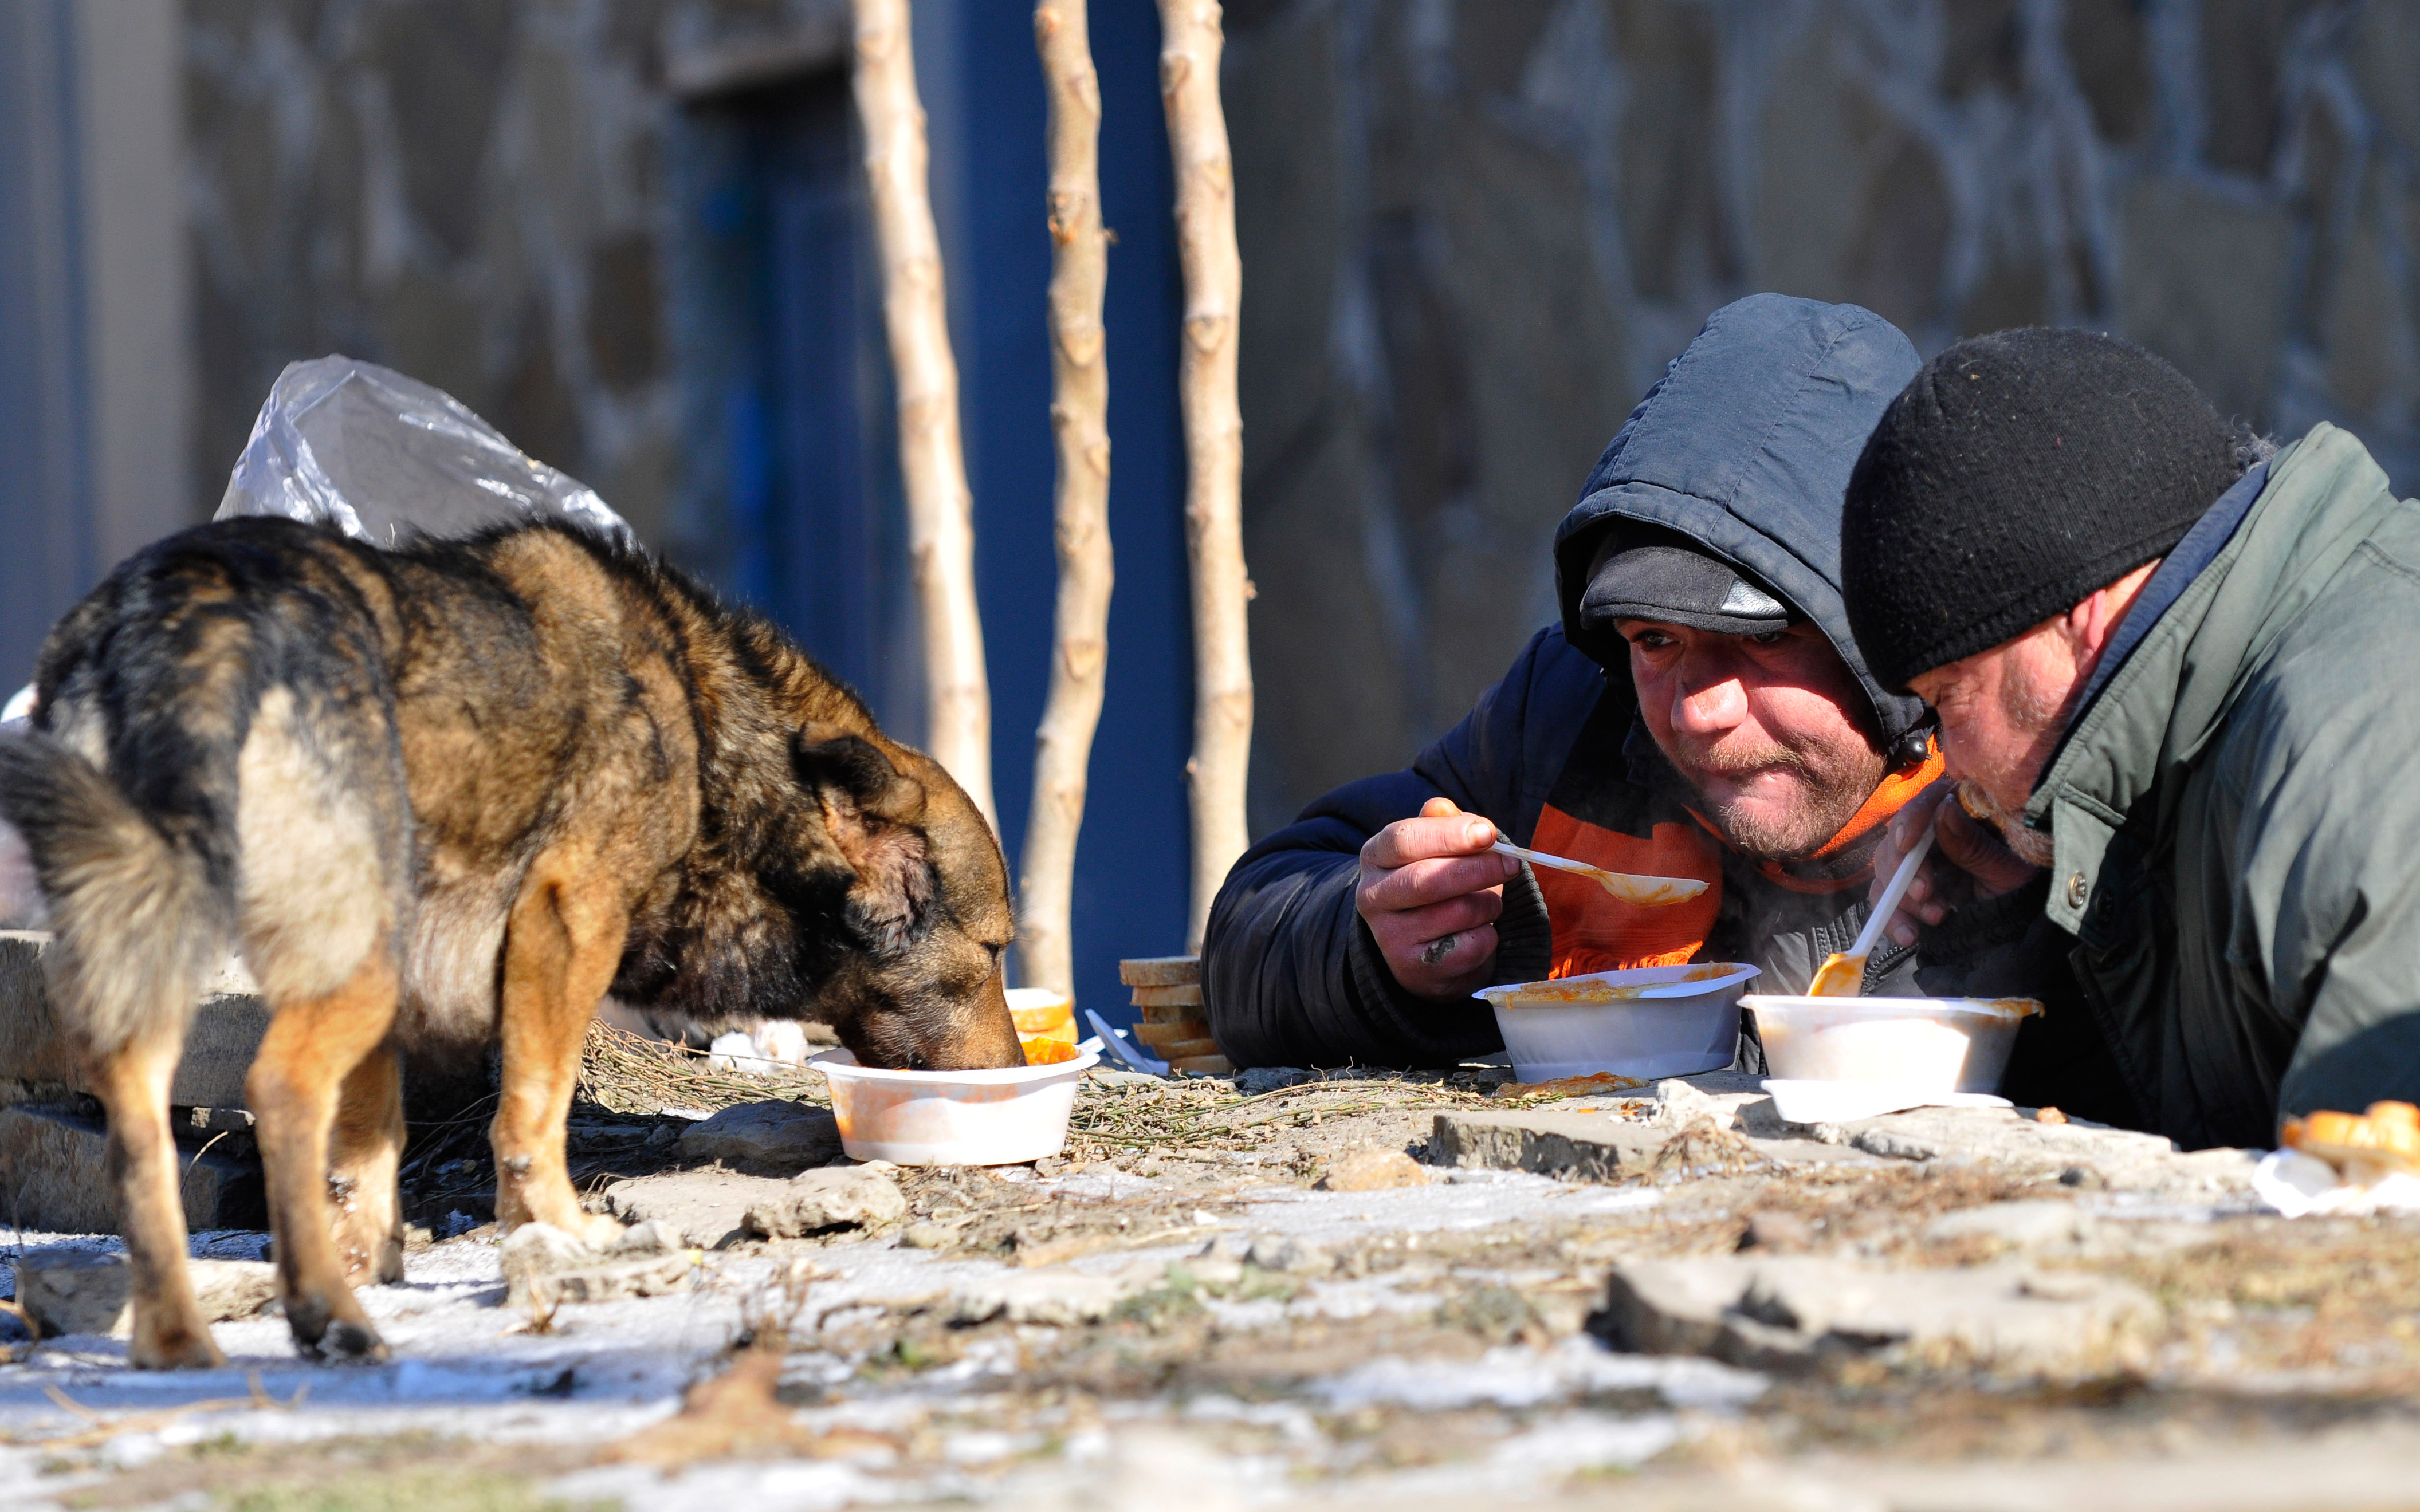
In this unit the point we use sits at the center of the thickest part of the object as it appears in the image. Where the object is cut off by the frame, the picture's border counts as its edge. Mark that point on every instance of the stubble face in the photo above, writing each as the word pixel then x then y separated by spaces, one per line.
pixel 2002 712
pixel 1768 730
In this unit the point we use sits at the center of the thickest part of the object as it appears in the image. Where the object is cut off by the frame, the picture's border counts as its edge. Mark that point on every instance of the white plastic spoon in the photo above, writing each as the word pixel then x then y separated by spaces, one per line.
pixel 1646 892
pixel 1844 975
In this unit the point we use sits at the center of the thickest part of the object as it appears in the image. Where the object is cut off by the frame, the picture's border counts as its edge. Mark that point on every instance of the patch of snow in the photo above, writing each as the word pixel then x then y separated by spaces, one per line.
pixel 1516 1377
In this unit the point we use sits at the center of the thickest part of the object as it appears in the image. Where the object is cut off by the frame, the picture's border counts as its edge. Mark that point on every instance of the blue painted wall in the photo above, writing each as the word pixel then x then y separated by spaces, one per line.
pixel 793 502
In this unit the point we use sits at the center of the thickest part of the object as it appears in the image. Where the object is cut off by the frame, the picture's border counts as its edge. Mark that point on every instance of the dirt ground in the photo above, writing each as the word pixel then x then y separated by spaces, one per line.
pixel 1184 1307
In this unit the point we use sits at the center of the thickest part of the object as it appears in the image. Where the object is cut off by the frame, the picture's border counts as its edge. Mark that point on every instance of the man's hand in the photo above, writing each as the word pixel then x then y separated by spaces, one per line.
pixel 1969 861
pixel 1431 891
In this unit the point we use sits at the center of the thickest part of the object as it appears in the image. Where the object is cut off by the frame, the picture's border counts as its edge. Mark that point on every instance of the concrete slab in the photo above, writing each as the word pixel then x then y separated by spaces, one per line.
pixel 704 1208
pixel 815 1202
pixel 1597 1146
pixel 38 1060
pixel 770 1138
pixel 1796 1314
pixel 85 1291
pixel 54 1177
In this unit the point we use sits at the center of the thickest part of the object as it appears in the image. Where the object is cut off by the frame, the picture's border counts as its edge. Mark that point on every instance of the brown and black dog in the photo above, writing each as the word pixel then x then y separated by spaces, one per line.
pixel 447 796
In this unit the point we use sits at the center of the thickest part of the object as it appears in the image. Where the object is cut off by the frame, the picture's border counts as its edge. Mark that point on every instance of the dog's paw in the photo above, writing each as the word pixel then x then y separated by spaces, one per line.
pixel 346 1342
pixel 599 1231
pixel 320 1334
pixel 174 1349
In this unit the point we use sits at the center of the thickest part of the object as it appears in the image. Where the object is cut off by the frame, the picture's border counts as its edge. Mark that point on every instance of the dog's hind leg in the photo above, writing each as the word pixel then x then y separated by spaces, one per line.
pixel 132 1084
pixel 562 946
pixel 312 1048
pixel 325 854
pixel 362 1169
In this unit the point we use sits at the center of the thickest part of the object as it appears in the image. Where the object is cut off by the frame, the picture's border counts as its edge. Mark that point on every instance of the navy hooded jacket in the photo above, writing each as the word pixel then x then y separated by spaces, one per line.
pixel 1744 446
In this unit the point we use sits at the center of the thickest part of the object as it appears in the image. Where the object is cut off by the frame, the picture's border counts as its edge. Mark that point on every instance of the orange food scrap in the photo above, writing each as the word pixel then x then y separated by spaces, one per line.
pixel 1041 1051
pixel 1604 1081
pixel 2363 1144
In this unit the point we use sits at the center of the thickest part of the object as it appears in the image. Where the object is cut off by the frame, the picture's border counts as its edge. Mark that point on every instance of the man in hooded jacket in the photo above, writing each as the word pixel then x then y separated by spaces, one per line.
pixel 1701 711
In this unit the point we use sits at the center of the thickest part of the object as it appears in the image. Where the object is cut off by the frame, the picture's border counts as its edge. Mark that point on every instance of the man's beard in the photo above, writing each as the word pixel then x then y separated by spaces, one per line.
pixel 1764 831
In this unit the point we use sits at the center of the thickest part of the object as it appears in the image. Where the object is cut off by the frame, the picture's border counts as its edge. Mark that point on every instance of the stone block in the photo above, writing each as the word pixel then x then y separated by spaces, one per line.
pixel 2002 1140
pixel 1373 1170
pixel 38 1065
pixel 1288 1254
pixel 2018 1226
pixel 770 1138
pixel 55 1177
pixel 1799 1314
pixel 816 1202
pixel 1597 1146
pixel 84 1291
pixel 704 1208
pixel 1050 1296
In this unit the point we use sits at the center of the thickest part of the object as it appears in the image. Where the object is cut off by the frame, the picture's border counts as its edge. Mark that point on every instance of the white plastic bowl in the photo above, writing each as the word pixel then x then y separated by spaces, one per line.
pixel 952 1117
pixel 1552 1031
pixel 1921 1044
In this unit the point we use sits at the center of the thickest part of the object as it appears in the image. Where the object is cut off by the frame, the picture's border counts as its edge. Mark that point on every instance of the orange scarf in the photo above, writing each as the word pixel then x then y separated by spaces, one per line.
pixel 1594 931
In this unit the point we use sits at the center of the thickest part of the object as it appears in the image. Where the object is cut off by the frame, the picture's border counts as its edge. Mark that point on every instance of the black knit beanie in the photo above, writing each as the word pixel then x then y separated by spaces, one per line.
pixel 2015 475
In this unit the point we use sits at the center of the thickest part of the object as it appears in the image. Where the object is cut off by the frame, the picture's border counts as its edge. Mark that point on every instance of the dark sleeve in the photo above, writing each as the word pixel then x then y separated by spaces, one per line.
pixel 2004 947
pixel 1290 974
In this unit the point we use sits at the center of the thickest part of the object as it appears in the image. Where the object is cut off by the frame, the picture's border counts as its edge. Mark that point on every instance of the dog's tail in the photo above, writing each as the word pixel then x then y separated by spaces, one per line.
pixel 136 915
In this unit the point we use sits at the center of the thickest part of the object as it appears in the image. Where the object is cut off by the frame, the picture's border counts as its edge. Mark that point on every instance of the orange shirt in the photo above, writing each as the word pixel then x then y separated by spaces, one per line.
pixel 1595 932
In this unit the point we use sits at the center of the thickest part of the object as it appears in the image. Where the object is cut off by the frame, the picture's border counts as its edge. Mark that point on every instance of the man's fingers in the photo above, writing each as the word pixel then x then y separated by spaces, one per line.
pixel 1406 928
pixel 1967 844
pixel 1406 840
pixel 1423 883
pixel 1436 967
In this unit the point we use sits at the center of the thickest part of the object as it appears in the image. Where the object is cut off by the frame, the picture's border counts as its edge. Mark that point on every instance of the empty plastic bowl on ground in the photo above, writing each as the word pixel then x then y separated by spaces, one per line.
pixel 1041 1013
pixel 1938 1044
pixel 953 1117
pixel 1653 1021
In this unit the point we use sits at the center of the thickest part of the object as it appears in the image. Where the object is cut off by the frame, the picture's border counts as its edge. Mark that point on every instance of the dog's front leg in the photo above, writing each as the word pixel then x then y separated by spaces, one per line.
pixel 561 948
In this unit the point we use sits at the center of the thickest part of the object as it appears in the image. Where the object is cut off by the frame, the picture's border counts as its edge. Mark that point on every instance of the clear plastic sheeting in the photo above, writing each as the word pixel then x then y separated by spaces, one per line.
pixel 384 457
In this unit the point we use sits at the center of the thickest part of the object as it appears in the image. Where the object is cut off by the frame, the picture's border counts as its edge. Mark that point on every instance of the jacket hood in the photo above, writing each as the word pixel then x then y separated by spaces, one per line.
pixel 1745 446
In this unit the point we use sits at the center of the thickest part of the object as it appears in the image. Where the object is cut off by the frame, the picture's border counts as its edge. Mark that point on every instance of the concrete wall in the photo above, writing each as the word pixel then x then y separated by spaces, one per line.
pixel 95 370
pixel 1475 230
pixel 501 197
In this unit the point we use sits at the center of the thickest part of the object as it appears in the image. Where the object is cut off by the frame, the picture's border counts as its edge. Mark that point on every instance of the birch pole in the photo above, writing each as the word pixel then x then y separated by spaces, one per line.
pixel 1190 42
pixel 932 461
pixel 1080 419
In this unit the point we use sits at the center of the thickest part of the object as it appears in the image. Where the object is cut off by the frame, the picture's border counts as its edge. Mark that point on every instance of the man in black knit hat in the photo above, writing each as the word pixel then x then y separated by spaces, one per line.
pixel 2173 675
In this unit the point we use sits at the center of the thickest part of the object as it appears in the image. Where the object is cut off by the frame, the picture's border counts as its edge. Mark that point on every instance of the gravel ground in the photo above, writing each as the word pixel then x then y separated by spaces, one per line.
pixel 1178 1312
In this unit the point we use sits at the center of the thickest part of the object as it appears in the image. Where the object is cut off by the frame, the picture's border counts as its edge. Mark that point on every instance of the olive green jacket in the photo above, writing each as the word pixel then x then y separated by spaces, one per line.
pixel 2236 818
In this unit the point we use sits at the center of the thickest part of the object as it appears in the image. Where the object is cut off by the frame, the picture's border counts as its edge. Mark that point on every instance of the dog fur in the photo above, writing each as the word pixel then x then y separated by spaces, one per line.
pixel 450 796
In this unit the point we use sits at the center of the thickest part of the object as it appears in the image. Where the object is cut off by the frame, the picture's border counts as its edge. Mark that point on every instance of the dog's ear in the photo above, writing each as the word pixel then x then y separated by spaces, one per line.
pixel 875 814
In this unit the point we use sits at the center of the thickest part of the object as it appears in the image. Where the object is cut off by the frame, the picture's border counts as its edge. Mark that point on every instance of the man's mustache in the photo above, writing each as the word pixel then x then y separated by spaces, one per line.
pixel 1735 764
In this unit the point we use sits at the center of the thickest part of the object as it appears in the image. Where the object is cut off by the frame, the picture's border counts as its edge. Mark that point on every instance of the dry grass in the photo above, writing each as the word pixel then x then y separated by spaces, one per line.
pixel 628 1074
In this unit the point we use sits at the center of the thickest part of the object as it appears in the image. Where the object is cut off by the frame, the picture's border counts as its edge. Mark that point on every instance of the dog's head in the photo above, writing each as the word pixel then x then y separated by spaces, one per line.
pixel 925 917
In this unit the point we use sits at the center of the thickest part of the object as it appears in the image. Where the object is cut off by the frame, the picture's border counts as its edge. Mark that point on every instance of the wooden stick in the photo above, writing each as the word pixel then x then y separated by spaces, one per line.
pixel 1079 418
pixel 931 462
pixel 1190 42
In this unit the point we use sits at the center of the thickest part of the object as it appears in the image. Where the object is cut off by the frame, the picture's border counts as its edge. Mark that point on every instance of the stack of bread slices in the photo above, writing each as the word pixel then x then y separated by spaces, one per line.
pixel 1169 1018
